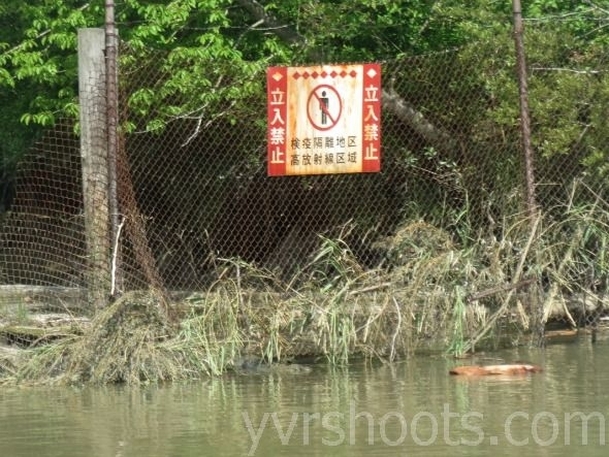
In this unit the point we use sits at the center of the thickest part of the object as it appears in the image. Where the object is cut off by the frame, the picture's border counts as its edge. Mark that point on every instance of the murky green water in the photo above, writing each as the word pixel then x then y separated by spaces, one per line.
pixel 411 408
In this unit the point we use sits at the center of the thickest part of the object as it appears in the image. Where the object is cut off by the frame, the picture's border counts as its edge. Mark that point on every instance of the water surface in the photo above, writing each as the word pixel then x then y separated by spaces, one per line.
pixel 408 408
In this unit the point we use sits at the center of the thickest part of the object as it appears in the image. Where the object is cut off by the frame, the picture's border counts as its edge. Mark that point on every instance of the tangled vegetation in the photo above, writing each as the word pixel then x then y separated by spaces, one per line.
pixel 438 295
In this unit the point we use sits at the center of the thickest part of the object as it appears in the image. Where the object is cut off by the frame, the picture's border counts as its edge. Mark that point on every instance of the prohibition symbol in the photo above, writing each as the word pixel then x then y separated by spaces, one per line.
pixel 324 107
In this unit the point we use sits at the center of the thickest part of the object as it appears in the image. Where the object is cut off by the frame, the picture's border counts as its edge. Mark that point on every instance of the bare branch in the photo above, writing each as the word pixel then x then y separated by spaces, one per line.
pixel 40 35
pixel 569 70
pixel 416 120
pixel 283 31
pixel 596 7
pixel 390 99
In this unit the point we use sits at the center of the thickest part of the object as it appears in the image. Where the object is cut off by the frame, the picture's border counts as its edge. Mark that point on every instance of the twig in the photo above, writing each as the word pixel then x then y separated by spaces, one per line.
pixel 41 34
pixel 115 256
pixel 598 197
pixel 397 330
pixel 491 322
pixel 207 124
pixel 369 289
pixel 595 6
pixel 497 289
pixel 568 70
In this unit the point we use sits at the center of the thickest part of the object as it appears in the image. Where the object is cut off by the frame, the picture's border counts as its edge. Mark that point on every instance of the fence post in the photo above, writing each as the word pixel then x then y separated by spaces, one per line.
pixel 111 37
pixel 525 126
pixel 525 121
pixel 94 156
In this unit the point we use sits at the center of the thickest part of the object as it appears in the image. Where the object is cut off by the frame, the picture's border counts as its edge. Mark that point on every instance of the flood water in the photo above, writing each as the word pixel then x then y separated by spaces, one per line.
pixel 408 408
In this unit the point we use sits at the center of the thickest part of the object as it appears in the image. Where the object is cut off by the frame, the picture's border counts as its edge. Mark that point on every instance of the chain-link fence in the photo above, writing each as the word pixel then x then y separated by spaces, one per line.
pixel 195 201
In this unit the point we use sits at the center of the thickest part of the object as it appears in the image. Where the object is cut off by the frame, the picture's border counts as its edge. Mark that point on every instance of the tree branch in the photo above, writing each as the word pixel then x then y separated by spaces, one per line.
pixel 40 35
pixel 416 120
pixel 568 70
pixel 390 98
pixel 283 31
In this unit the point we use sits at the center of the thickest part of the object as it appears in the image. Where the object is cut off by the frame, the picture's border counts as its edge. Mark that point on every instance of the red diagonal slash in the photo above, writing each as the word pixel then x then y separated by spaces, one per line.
pixel 324 108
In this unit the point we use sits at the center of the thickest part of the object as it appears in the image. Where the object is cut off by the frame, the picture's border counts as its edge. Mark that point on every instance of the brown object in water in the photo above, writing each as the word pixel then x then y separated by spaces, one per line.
pixel 494 370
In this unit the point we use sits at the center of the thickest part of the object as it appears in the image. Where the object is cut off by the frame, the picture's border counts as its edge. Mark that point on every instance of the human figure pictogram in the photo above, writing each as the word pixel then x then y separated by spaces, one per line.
pixel 324 105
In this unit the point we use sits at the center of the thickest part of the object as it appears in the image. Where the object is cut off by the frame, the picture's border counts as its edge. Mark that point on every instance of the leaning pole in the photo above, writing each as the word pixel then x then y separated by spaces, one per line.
pixel 536 305
pixel 112 96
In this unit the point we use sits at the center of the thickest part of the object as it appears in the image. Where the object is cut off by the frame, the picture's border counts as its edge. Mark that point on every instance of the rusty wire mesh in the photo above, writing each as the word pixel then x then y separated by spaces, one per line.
pixel 191 198
pixel 219 203
pixel 55 243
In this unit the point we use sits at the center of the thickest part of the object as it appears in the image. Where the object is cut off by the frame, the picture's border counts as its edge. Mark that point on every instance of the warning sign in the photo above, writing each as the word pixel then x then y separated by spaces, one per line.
pixel 324 119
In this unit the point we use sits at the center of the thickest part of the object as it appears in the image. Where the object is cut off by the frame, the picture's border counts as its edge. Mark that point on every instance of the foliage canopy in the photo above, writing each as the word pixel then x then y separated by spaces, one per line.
pixel 216 51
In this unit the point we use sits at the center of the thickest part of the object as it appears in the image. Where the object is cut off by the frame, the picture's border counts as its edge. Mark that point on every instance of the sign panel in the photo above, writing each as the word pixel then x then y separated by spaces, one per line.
pixel 324 119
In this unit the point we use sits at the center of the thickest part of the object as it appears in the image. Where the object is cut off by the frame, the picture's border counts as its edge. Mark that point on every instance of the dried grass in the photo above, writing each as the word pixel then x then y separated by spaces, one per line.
pixel 437 295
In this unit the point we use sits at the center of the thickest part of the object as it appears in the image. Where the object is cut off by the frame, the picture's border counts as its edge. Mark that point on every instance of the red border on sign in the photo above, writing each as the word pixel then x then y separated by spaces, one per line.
pixel 367 145
pixel 371 100
pixel 277 108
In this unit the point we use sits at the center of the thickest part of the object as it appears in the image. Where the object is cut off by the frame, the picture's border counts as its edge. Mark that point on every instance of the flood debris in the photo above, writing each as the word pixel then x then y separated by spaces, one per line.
pixel 434 294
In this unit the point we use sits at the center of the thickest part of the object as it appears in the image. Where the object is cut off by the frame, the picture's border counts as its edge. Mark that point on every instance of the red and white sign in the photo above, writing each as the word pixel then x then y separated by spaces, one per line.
pixel 324 119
